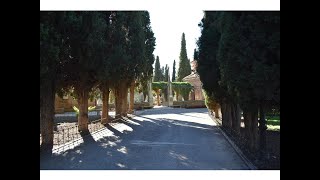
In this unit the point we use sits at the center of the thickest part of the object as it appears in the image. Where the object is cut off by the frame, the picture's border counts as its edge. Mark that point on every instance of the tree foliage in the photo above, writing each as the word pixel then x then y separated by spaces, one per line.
pixel 174 71
pixel 184 63
pixel 239 62
pixel 81 51
pixel 166 73
pixel 183 89
pixel 195 54
pixel 157 71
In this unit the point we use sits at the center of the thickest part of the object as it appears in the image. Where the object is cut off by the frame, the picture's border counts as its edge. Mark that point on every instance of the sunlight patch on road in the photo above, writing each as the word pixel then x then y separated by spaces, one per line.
pixel 67 146
pixel 105 132
pixel 121 165
pixel 187 125
pixel 150 143
pixel 131 122
pixel 100 134
pixel 178 156
pixel 200 118
pixel 123 150
pixel 139 118
pixel 121 127
pixel 108 144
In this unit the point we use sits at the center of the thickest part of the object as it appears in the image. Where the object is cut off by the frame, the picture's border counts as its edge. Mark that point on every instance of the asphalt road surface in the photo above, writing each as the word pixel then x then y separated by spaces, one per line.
pixel 158 139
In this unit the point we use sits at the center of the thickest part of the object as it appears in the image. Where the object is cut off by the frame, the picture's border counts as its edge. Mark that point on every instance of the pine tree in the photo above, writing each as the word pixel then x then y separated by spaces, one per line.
pixel 184 64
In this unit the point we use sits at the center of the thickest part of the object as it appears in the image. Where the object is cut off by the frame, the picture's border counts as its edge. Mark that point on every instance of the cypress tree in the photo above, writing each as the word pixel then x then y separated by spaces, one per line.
pixel 174 71
pixel 184 63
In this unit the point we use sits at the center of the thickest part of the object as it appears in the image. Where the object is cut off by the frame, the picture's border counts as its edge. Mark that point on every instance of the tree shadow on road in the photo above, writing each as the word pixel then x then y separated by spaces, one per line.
pixel 147 143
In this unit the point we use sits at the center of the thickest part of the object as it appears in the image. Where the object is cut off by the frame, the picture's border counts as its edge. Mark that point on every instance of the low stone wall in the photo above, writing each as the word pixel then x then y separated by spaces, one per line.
pixel 66 105
pixel 190 104
pixel 140 105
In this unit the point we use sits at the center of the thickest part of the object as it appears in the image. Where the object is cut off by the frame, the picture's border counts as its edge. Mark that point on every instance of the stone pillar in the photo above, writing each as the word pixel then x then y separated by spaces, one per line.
pixel 150 97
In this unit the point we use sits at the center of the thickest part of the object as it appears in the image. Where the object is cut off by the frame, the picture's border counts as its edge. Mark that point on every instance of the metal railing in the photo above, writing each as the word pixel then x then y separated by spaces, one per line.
pixel 243 143
pixel 68 134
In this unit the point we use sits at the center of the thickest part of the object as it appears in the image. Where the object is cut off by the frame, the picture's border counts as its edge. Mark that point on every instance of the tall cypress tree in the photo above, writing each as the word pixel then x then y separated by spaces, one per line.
pixel 166 73
pixel 50 61
pixel 157 71
pixel 174 71
pixel 162 73
pixel 184 64
pixel 195 54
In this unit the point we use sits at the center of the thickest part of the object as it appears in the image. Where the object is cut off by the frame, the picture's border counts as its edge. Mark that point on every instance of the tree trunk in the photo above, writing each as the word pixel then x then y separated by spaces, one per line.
pixel 83 119
pixel 125 103
pixel 226 115
pixel 247 124
pixel 236 118
pixel 105 104
pixel 262 130
pixel 121 102
pixel 251 127
pixel 217 110
pixel 131 106
pixel 118 101
pixel 47 97
pixel 144 97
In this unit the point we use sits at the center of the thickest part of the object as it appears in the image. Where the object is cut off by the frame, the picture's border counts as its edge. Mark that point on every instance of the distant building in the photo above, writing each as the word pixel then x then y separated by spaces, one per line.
pixel 194 80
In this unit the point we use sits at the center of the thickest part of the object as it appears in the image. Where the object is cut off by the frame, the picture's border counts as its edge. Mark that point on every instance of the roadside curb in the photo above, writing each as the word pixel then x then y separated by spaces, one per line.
pixel 235 147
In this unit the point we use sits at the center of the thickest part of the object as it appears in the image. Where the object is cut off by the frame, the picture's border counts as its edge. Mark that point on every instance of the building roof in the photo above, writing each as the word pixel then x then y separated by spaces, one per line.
pixel 193 76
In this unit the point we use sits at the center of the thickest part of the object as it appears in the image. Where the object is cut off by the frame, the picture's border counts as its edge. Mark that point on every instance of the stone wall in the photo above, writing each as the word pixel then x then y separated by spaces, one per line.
pixel 190 104
pixel 66 104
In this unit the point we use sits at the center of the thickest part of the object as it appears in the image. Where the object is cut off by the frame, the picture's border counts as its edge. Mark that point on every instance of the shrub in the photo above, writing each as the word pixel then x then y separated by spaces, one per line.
pixel 90 108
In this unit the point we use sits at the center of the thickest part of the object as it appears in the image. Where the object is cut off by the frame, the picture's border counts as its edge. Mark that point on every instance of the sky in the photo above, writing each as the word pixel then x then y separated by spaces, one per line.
pixel 168 26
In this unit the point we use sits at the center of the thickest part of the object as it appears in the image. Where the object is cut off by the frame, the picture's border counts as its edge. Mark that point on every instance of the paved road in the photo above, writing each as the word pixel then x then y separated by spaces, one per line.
pixel 158 139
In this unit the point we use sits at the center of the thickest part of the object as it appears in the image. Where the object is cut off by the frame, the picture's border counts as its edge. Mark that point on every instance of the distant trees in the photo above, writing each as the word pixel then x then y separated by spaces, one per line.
pixel 166 73
pixel 174 71
pixel 239 66
pixel 157 71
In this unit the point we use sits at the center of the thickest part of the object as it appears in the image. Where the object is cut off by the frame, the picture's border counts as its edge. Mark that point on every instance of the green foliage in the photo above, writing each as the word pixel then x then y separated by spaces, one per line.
pixel 52 49
pixel 184 63
pixel 159 85
pixel 195 54
pixel 182 88
pixel 209 101
pixel 80 50
pixel 90 108
pixel 150 43
pixel 208 66
pixel 239 57
pixel 273 123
